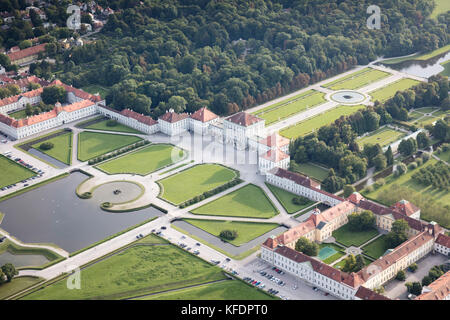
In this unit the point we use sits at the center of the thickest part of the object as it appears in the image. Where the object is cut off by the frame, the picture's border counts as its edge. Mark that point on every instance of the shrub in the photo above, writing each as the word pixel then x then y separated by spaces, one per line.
pixel 413 267
pixel 299 201
pixel 401 275
pixel 46 146
pixel 412 166
pixel 401 168
pixel 106 205
pixel 228 234
pixel 419 162
pixel 369 189
pixel 111 123
pixel 86 195
pixel 425 157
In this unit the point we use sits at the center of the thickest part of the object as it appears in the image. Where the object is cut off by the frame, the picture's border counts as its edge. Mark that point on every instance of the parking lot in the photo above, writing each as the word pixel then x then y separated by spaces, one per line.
pixel 21 162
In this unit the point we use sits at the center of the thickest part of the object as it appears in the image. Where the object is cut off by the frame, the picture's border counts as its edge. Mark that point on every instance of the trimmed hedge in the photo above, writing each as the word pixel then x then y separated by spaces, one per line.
pixel 118 152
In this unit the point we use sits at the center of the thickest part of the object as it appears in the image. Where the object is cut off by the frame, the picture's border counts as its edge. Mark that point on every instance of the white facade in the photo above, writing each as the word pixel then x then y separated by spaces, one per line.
pixel 265 165
pixel 21 102
pixel 442 249
pixel 173 128
pixel 128 121
pixel 238 135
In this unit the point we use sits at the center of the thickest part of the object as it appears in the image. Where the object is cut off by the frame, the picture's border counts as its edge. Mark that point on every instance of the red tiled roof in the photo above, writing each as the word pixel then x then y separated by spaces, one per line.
pixel 204 115
pixel 353 280
pixel 139 117
pixel 275 140
pixel 296 177
pixel 275 155
pixel 366 294
pixel 244 119
pixel 5 78
pixel 355 198
pixel 29 94
pixel 438 289
pixel 398 253
pixel 405 207
pixel 271 243
pixel 443 240
pixel 77 92
pixel 173 117
pixel 13 56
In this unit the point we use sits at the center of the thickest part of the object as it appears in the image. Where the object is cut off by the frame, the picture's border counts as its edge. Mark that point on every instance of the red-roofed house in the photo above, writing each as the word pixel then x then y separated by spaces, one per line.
pixel 201 120
pixel 437 290
pixel 19 101
pixel 26 56
pixel 131 118
pixel 172 123
pixel 442 244
pixel 274 158
pixel 407 208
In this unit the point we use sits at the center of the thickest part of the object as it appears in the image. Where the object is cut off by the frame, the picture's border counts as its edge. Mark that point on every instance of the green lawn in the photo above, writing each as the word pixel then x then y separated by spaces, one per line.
pixel 383 136
pixel 340 252
pixel 94 88
pixel 21 114
pixel 138 270
pixel 193 181
pixel 349 238
pixel 145 160
pixel 117 128
pixel 62 149
pixel 441 7
pixel 434 203
pixel 248 201
pixel 285 198
pixel 307 126
pixel 246 231
pixel 290 107
pixel 444 156
pixel 94 144
pixel 357 79
pixel 391 89
pixel 446 71
pixel 311 170
pixel 17 285
pixel 376 248
pixel 341 263
pixel 11 172
pixel 225 290
pixel 420 56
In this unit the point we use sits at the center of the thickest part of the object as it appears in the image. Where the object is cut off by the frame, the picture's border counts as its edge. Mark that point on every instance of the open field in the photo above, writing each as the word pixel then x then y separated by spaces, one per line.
pixel 246 231
pixel 62 149
pixel 94 88
pixel 383 136
pixel 117 128
pixel 391 89
pixel 17 285
pixel 444 156
pixel 285 198
pixel 420 56
pixel 376 248
pixel 441 7
pixel 349 238
pixel 194 181
pixel 137 270
pixel 292 106
pixel 94 144
pixel 144 161
pixel 434 203
pixel 224 290
pixel 248 201
pixel 12 172
pixel 311 170
pixel 357 79
pixel 302 128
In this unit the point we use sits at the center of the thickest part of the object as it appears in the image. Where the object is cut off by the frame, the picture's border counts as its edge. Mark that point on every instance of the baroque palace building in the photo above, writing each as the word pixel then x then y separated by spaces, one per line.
pixel 280 251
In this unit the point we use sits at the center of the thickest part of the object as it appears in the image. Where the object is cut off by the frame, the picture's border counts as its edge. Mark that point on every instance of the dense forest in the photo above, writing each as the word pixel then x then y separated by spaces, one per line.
pixel 230 55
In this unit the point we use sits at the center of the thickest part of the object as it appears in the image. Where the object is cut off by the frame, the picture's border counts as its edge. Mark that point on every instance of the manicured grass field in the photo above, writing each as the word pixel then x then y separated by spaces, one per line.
pixel 444 156
pixel 246 231
pixel 94 144
pixel 138 270
pixel 441 7
pixel 194 181
pixel 341 263
pixel 21 114
pixel 357 79
pixel 285 198
pixel 307 126
pixel 376 248
pixel 422 196
pixel 391 89
pixel 420 56
pixel 349 238
pixel 383 136
pixel 225 290
pixel 62 149
pixel 16 285
pixel 117 128
pixel 11 172
pixel 285 109
pixel 311 170
pixel 144 161
pixel 248 201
